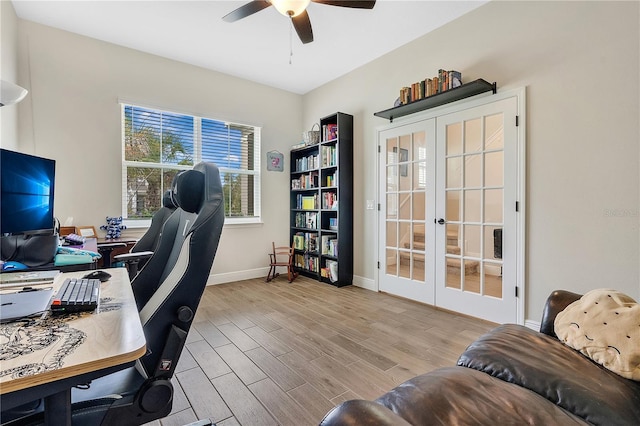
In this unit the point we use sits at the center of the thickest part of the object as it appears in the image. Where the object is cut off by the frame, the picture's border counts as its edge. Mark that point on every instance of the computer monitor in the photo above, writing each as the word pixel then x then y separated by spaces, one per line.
pixel 26 193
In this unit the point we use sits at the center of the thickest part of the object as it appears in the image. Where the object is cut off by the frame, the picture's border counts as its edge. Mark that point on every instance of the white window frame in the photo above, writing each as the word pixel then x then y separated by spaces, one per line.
pixel 197 157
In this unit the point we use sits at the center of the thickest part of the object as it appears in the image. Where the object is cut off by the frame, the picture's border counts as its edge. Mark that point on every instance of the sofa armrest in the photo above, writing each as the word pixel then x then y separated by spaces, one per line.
pixel 556 302
pixel 362 413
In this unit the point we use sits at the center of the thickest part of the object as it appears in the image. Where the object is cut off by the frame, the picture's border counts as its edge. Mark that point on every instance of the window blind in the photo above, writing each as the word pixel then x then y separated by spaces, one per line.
pixel 158 144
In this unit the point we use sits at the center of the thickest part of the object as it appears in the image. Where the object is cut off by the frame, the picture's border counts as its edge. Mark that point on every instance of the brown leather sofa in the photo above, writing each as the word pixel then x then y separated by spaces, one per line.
pixel 510 376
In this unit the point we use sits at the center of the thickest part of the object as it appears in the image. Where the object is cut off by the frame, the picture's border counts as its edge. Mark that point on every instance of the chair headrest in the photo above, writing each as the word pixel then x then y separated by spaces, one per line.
pixel 188 190
pixel 168 200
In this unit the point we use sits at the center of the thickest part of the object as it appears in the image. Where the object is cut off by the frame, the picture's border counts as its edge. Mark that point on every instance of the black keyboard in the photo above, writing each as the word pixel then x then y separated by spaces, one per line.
pixel 76 295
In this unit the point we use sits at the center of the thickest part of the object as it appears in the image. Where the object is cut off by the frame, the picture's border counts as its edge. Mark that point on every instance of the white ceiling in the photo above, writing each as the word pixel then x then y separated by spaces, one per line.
pixel 255 48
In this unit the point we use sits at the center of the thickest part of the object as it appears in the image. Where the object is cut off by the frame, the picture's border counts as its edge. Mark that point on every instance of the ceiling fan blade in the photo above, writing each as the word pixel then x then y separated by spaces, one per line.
pixel 246 10
pixel 357 4
pixel 302 24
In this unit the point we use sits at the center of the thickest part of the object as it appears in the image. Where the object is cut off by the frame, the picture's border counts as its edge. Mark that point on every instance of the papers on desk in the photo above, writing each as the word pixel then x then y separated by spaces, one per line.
pixel 22 278
pixel 24 303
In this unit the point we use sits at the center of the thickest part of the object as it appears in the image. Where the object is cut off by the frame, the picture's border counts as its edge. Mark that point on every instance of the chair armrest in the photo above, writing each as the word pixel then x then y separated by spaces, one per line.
pixel 133 257
pixel 110 246
pixel 556 302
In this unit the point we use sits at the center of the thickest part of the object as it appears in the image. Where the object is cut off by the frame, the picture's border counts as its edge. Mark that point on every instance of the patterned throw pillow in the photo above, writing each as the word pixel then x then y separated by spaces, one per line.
pixel 605 326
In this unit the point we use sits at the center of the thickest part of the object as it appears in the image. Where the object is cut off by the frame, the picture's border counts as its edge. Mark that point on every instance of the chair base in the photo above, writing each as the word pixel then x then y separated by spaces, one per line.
pixel 291 274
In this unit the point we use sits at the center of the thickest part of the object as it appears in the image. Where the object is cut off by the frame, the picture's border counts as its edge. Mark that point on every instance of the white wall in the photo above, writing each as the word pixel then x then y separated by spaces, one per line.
pixel 72 115
pixel 579 64
pixel 8 72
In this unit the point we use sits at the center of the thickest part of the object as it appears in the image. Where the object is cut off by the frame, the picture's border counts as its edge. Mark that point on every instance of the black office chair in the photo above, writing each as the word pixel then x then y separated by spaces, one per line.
pixel 144 248
pixel 167 292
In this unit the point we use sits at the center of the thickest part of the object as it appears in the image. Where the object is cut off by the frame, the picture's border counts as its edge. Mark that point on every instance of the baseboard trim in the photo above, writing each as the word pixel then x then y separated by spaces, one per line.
pixel 366 283
pixel 534 325
pixel 229 277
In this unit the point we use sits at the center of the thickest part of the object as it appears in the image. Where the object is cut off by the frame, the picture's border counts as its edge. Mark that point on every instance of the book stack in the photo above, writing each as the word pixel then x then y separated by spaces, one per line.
pixel 307 163
pixel 329 200
pixel 305 241
pixel 330 245
pixel 330 271
pixel 445 80
pixel 329 132
pixel 307 202
pixel 332 180
pixel 329 156
pixel 298 241
pixel 307 220
pixel 304 261
pixel 305 181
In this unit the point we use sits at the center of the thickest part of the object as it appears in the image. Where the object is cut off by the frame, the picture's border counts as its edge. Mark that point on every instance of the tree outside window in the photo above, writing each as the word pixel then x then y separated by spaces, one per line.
pixel 158 144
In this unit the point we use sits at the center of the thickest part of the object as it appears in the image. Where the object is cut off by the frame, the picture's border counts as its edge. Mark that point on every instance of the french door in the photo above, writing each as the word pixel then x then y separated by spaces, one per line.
pixel 407 194
pixel 448 219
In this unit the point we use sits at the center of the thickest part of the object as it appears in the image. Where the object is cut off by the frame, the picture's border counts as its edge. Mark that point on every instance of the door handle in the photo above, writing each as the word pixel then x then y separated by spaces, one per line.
pixel 441 221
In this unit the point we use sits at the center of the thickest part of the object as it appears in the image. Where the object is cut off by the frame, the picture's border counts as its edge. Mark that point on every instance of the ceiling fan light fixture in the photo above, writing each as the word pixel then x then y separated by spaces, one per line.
pixel 290 8
pixel 11 93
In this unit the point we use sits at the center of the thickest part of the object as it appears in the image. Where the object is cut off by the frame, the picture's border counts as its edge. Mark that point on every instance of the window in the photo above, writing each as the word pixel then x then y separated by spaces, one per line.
pixel 159 144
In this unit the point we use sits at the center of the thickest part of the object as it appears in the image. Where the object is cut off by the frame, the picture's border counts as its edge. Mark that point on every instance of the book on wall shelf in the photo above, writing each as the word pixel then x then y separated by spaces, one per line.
pixel 410 106
pixel 321 229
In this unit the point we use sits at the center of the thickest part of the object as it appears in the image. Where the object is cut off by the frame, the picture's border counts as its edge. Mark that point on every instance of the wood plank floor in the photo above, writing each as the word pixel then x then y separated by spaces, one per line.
pixel 285 354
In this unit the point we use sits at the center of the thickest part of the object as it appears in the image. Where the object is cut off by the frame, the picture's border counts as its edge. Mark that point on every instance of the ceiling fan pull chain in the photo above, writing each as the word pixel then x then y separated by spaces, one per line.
pixel 290 38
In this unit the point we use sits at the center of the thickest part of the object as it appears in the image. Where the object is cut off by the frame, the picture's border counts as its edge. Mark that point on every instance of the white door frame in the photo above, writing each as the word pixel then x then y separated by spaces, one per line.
pixel 483 99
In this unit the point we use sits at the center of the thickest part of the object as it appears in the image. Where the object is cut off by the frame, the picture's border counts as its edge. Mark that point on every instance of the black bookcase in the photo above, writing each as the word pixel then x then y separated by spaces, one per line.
pixel 321 203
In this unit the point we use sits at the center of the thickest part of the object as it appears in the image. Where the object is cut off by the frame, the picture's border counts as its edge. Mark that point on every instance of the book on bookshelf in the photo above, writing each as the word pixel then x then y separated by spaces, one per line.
pixel 445 80
pixel 329 200
pixel 306 220
pixel 329 132
pixel 330 245
pixel 308 202
pixel 332 265
pixel 329 156
pixel 305 261
pixel 306 181
pixel 304 164
pixel 298 241
pixel 332 180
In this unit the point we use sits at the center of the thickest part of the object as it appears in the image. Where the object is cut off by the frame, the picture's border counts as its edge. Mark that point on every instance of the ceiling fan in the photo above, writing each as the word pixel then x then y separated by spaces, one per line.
pixel 296 10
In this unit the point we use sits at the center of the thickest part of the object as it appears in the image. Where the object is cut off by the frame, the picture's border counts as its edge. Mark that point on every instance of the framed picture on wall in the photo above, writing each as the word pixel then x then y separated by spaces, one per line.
pixel 275 161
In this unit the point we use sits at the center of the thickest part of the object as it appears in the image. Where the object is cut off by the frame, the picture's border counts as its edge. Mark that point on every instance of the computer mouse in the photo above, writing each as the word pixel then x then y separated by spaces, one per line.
pixel 100 275
pixel 12 265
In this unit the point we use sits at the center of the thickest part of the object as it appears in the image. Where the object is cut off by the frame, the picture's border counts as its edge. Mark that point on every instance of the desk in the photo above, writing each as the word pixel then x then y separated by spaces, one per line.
pixel 113 247
pixel 45 358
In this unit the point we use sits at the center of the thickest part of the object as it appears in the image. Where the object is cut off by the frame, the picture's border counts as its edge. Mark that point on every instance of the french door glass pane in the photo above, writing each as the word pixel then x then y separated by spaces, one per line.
pixel 392 206
pixel 494 169
pixel 419 205
pixel 494 131
pixel 392 234
pixel 405 264
pixel 493 205
pixel 405 205
pixel 473 171
pixel 472 205
pixel 392 262
pixel 454 172
pixel 453 206
pixel 473 135
pixel 454 139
